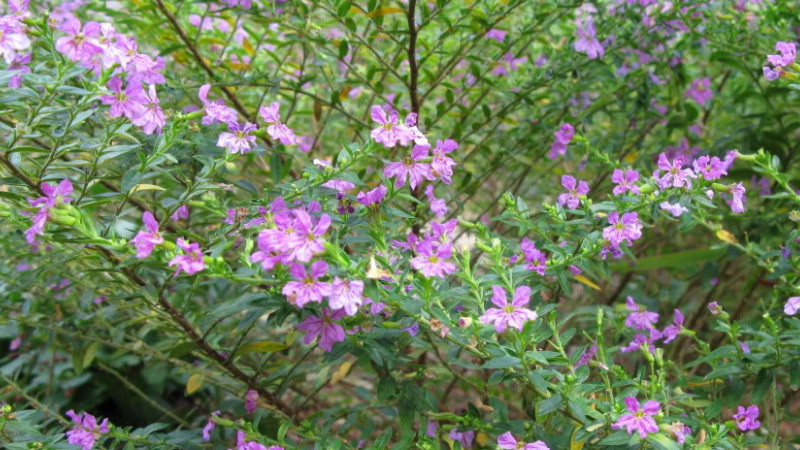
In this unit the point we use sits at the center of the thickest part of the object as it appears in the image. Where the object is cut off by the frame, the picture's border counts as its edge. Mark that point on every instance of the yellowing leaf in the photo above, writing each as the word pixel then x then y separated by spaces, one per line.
pixel 385 11
pixel 726 236
pixel 574 444
pixel 194 383
pixel 146 187
pixel 248 47
pixel 374 272
pixel 587 282
pixel 341 372
pixel 262 347
pixel 482 439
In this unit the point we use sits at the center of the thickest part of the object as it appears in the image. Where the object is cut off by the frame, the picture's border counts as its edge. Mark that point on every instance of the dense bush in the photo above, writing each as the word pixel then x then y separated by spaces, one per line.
pixel 399 224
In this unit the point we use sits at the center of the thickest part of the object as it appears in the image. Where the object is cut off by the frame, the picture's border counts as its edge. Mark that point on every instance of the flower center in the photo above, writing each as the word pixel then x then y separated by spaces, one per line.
pixel 509 309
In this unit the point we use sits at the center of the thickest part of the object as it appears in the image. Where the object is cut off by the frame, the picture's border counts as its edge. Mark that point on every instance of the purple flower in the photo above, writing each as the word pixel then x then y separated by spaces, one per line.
pixel 413 330
pixel 711 168
pixel 305 288
pixel 432 260
pixel 791 306
pixel 12 40
pixel 642 339
pixel 347 295
pixel 145 241
pixel 151 117
pixel 411 168
pixel 747 418
pixel 676 209
pixel 276 129
pixel 674 175
pixel 624 181
pixel 339 185
pixel 181 213
pixel 129 103
pixel 586 356
pixel 507 63
pixel 771 74
pixel 53 195
pixel 625 229
pixel 216 111
pixel 431 429
pixel 700 91
pixel 307 240
pixel 464 437
pixel 328 331
pixel 497 35
pixel 209 426
pixel 238 138
pixel 639 318
pixel 715 308
pixel 672 331
pixel 390 132
pixel 788 53
pixel 514 315
pixel 372 197
pixel 571 198
pixel 535 259
pixel 442 165
pixel 86 431
pixel 243 444
pixel 639 419
pixel 587 39
pixel 438 205
pixel 745 348
pixel 191 261
pixel 251 401
pixel 562 138
pixel 738 198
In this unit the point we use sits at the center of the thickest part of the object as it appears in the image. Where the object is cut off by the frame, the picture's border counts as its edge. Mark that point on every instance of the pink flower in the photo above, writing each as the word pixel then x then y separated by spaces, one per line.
pixel 238 138
pixel 700 91
pixel 411 169
pixel 305 288
pixel 53 195
pixel 625 229
pixel 145 241
pixel 571 199
pixel 191 261
pixel 506 441
pixel 390 132
pixel 624 181
pixel 747 418
pixel 276 129
pixel 640 419
pixel 12 40
pixel 506 64
pixel 788 53
pixel 324 327
pixel 514 315
pixel 432 260
pixel 131 102
pixel 674 175
pixel 438 205
pixel 79 45
pixel 346 295
pixel 466 438
pixel 86 431
pixel 792 305
pixel 151 117
pixel 680 431
pixel 587 39
pixel 738 198
pixel 306 242
pixel 216 111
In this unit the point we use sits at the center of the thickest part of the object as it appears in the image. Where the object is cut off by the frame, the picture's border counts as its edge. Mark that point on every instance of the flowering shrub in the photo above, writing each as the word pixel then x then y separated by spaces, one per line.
pixel 292 224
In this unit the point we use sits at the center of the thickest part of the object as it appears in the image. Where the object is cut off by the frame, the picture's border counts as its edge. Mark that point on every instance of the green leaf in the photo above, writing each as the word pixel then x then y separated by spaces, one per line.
pixel 549 405
pixel 662 442
pixel 503 362
pixel 678 259
pixel 761 385
pixel 618 438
